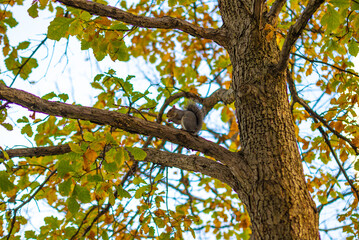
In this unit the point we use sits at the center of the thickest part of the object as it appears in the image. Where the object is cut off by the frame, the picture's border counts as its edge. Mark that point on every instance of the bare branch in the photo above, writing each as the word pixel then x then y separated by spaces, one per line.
pixel 40 187
pixel 328 64
pixel 274 11
pixel 37 151
pixel 218 35
pixel 191 163
pixel 295 31
pixel 257 11
pixel 350 182
pixel 315 115
pixel 220 95
pixel 118 120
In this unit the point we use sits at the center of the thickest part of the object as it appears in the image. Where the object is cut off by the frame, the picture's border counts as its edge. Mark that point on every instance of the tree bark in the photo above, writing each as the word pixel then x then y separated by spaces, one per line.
pixel 276 195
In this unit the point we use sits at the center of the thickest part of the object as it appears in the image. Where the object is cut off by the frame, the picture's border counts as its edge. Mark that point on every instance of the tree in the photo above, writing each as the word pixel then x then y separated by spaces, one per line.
pixel 90 163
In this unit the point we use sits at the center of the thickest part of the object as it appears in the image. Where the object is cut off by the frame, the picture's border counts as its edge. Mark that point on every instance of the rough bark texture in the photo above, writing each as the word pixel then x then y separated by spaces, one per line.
pixel 276 196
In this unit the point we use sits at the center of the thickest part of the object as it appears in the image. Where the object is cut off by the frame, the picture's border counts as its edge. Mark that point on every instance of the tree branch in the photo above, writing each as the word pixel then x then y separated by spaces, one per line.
pixel 118 120
pixel 295 31
pixel 218 35
pixel 220 95
pixel 273 14
pixel 328 64
pixel 257 11
pixel 191 163
pixel 350 182
pixel 37 151
pixel 315 115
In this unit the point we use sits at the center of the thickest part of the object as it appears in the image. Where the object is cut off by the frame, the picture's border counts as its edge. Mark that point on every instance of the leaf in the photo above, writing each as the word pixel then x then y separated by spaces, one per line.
pixel 23 45
pixel 138 180
pixel 121 156
pixel 137 153
pixel 6 155
pixel 49 96
pixel 5 184
pixel 89 137
pixel 11 22
pixel 23 120
pixel 65 187
pixel 353 48
pixel 82 194
pixel 32 11
pixel 75 147
pixel 64 97
pixel 73 205
pixel 30 234
pixel 58 28
pixel 340 3
pixel 8 126
pixel 63 168
pixel 140 191
pixel 27 130
pixel 122 192
pixel 356 165
pixel 158 177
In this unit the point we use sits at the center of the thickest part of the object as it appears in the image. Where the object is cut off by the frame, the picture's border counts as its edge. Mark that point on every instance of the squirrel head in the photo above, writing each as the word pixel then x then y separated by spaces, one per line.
pixel 171 113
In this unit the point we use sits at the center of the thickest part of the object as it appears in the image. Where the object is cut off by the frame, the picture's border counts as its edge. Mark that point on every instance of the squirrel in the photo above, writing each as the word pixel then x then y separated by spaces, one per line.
pixel 191 119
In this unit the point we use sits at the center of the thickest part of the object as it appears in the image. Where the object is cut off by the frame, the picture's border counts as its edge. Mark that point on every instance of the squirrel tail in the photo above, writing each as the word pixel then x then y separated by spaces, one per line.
pixel 199 115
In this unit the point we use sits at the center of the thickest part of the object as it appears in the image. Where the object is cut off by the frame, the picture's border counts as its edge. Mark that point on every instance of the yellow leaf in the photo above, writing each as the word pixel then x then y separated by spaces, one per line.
pixel 89 158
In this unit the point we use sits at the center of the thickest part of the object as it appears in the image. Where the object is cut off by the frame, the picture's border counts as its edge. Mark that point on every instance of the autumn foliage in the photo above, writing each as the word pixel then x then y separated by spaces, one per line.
pixel 119 170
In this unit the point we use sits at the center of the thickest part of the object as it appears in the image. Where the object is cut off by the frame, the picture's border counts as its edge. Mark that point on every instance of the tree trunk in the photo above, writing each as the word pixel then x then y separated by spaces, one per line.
pixel 275 192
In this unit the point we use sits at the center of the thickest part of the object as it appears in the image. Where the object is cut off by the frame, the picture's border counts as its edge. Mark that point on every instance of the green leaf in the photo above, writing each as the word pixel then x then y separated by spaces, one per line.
pixel 28 64
pixel 140 191
pixel 63 168
pixel 137 153
pixel 11 22
pixel 58 28
pixel 65 187
pixel 23 120
pixel 63 96
pixel 356 165
pixel 75 148
pixel 138 180
pixel 5 184
pixel 6 155
pixel 32 11
pixel 23 45
pixel 171 3
pixel 30 234
pixel 8 126
pixel 73 205
pixel 110 166
pixel 82 194
pixel 104 235
pixel 94 178
pixel 332 19
pixel 49 96
pixel 340 3
pixel 89 137
pixel 122 192
pixel 121 156
pixel 158 177
pixel 27 130
pixel 353 48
